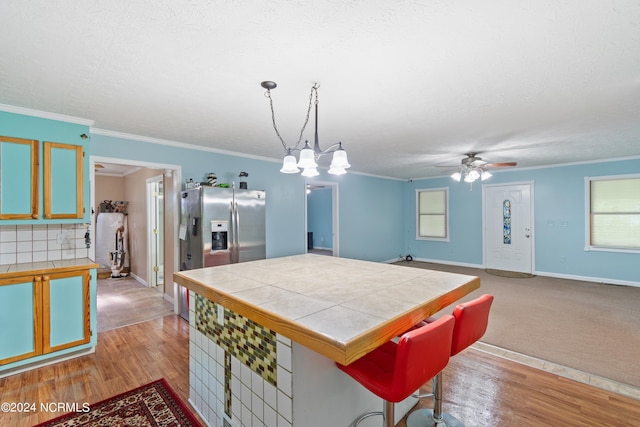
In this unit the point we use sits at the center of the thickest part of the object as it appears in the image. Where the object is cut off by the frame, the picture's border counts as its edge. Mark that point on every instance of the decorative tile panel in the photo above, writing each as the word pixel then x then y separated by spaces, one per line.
pixel 252 344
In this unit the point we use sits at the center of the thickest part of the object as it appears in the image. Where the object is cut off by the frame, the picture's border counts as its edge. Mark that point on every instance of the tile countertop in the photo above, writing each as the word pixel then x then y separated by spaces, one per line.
pixel 341 308
pixel 15 270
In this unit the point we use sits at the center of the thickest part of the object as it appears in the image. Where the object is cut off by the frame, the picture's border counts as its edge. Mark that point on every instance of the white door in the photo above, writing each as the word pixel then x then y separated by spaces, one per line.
pixel 155 210
pixel 508 232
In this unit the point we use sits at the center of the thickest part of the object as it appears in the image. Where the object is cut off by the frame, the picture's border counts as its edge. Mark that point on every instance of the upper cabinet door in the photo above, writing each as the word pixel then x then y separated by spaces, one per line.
pixel 18 178
pixel 63 181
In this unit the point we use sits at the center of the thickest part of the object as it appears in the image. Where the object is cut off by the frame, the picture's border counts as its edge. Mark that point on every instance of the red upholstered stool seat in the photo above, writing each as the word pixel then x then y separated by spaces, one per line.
pixel 394 371
pixel 472 319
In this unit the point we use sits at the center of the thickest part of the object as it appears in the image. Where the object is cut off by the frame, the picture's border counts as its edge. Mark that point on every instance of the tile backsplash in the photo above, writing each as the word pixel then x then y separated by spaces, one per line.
pixel 42 242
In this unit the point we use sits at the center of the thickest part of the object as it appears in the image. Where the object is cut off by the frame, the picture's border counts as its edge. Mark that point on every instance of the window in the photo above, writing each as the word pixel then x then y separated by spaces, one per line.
pixel 613 205
pixel 433 211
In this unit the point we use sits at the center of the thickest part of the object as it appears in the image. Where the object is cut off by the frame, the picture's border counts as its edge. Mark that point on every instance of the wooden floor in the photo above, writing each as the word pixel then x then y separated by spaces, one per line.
pixel 480 389
pixel 125 358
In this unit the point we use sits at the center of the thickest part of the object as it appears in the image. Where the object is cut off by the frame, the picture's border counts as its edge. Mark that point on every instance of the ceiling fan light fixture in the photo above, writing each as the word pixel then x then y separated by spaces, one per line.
pixel 473 174
pixel 473 168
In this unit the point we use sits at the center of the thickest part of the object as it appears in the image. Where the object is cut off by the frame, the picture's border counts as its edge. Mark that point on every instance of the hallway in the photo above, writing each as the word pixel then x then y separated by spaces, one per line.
pixel 125 301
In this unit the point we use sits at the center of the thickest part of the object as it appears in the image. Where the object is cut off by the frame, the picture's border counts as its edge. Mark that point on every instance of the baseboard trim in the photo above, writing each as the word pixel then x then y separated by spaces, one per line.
pixel 457 264
pixel 46 362
pixel 538 273
pixel 589 279
pixel 139 279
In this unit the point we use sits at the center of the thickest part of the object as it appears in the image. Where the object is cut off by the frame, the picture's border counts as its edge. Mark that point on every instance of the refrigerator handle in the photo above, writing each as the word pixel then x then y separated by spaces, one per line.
pixel 236 233
pixel 232 234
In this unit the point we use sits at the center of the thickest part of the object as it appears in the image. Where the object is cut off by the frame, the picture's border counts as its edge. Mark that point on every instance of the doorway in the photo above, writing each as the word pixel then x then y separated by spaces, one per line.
pixel 322 218
pixel 130 178
pixel 508 227
pixel 155 232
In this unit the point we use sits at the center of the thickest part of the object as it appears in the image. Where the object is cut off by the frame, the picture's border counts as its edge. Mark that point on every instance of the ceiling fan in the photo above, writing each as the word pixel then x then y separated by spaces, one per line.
pixel 473 167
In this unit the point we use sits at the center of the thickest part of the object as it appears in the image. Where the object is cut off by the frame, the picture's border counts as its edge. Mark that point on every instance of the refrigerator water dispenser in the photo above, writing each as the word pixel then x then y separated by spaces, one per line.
pixel 219 236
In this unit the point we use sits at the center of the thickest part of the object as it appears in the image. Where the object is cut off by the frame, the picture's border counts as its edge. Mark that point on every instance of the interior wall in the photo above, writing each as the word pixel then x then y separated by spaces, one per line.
pixel 135 186
pixel 108 188
pixel 170 209
pixel 559 214
pixel 370 209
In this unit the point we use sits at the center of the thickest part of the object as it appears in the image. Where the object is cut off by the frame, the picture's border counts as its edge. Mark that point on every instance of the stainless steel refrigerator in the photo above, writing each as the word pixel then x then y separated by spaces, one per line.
pixel 219 226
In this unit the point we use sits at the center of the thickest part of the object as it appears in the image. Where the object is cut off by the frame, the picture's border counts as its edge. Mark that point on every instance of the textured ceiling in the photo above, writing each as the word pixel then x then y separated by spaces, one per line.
pixel 405 85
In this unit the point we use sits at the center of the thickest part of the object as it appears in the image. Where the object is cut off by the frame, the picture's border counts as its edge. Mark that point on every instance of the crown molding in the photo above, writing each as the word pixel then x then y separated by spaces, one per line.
pixel 45 115
pixel 151 140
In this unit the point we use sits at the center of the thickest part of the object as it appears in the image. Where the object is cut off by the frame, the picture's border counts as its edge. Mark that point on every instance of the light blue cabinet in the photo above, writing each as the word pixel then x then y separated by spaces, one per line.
pixel 20 331
pixel 18 178
pixel 63 181
pixel 42 177
pixel 44 315
pixel 66 147
pixel 66 308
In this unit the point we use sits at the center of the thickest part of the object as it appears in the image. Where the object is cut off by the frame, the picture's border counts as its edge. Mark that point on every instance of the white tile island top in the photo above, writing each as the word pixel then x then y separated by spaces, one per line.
pixel 340 308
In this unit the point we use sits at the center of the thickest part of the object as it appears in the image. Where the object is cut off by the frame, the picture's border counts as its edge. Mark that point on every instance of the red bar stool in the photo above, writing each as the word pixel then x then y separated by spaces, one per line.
pixel 471 323
pixel 394 371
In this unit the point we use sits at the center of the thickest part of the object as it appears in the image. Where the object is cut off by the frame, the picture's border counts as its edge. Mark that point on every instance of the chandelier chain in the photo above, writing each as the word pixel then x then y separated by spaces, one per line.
pixel 314 89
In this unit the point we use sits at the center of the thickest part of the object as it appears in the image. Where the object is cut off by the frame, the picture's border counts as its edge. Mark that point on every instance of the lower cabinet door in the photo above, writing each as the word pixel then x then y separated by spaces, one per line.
pixel 66 321
pixel 20 308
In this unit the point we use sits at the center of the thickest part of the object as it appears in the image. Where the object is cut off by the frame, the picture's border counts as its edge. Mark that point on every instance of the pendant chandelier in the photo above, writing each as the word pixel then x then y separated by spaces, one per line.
pixel 308 156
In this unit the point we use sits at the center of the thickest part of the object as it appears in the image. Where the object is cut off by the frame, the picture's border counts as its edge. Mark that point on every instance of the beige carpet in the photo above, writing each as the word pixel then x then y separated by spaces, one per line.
pixel 587 326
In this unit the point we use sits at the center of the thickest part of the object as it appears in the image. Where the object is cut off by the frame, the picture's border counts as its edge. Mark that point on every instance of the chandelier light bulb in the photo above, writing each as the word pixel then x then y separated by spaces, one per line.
pixel 337 171
pixel 309 172
pixel 307 157
pixel 289 164
pixel 485 175
pixel 339 159
pixel 456 176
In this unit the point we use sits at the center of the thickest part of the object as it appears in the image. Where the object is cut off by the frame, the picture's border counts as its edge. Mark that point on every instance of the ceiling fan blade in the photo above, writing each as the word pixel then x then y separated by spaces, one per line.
pixel 500 165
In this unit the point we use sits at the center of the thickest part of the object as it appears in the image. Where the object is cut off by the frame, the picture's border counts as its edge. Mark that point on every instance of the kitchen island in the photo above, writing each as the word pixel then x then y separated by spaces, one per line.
pixel 265 335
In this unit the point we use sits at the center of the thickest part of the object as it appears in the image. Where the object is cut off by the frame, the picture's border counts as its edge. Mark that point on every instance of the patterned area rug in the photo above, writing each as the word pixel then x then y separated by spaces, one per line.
pixel 151 405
